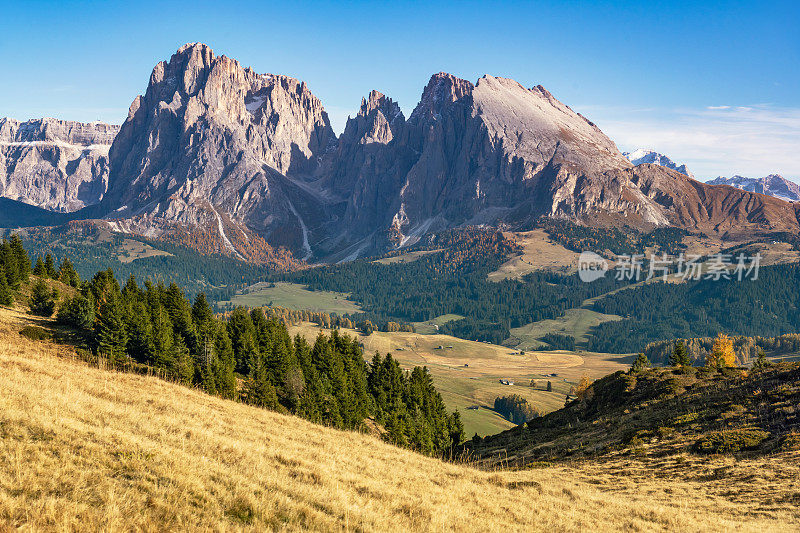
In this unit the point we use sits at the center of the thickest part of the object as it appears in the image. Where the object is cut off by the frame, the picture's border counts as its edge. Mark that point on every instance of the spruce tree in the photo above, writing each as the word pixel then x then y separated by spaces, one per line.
pixel 679 355
pixel 182 366
pixel 77 311
pixel 23 262
pixel 162 338
pixel 8 264
pixel 49 267
pixel 67 273
pixel 640 364
pixel 761 361
pixel 224 363
pixel 243 338
pixel 6 296
pixel 110 332
pixel 259 390
pixel 39 269
pixel 41 302
pixel 140 344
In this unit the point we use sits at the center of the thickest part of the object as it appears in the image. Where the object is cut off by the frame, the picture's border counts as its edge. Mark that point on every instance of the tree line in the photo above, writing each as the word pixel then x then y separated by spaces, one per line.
pixel 768 306
pixel 515 408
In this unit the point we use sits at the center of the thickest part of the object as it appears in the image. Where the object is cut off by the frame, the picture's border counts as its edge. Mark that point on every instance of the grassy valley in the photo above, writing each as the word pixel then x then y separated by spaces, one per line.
pixel 468 373
pixel 292 296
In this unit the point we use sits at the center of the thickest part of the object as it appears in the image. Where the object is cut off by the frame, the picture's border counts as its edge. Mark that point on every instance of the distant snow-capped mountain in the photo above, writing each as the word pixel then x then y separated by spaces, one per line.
pixel 772 185
pixel 641 156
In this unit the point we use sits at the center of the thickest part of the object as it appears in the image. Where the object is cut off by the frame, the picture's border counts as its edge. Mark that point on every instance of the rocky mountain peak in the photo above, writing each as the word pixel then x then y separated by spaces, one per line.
pixel 643 156
pixel 442 89
pixel 249 159
pixel 380 102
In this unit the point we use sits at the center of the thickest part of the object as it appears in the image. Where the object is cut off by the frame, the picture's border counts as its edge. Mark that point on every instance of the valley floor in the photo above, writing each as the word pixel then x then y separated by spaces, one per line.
pixel 468 373
pixel 83 448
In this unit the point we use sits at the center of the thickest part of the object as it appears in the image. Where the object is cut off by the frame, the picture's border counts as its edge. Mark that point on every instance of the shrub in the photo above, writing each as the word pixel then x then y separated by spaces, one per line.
pixel 791 442
pixel 35 333
pixel 731 440
pixel 685 419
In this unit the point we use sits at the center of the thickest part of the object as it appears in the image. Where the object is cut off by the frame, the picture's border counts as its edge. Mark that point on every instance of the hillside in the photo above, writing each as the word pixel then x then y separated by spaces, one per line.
pixel 85 449
pixel 663 412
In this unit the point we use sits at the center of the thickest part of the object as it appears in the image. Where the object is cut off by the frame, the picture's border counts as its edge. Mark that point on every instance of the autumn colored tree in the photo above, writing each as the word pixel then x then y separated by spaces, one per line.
pixel 583 389
pixel 722 353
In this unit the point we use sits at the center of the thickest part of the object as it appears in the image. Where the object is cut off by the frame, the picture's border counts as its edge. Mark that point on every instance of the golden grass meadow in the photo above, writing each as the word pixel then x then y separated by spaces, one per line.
pixel 87 449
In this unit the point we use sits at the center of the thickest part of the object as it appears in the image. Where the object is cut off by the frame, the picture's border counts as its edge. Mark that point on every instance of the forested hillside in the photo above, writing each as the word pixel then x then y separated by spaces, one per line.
pixel 93 250
pixel 768 306
pixel 454 280
pixel 246 356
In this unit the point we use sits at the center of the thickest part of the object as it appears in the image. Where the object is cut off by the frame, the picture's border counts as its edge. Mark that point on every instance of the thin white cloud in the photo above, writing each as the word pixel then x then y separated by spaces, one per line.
pixel 751 140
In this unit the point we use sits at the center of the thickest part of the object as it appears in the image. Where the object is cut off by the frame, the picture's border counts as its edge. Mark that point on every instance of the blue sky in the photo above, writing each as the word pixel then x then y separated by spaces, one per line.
pixel 715 86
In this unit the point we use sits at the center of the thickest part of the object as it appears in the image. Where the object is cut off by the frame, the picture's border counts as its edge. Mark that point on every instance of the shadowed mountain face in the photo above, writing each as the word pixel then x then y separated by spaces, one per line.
pixel 215 146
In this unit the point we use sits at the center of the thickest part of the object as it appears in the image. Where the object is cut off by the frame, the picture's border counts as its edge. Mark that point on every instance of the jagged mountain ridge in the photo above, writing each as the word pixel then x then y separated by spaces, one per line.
pixel 772 185
pixel 245 156
pixel 642 155
pixel 54 164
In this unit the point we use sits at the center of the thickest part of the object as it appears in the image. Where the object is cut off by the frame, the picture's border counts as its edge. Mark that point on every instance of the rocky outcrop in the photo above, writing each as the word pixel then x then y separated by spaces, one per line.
pixel 54 164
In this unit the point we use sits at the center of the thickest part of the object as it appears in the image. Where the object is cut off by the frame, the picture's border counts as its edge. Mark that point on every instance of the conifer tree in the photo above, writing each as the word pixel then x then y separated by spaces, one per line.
pixel 140 345
pixel 77 311
pixel 110 333
pixel 258 388
pixel 679 356
pixel 6 296
pixel 41 302
pixel 23 262
pixel 182 365
pixel 761 361
pixel 162 338
pixel 67 273
pixel 39 269
pixel 641 363
pixel 242 334
pixel 49 267
pixel 224 363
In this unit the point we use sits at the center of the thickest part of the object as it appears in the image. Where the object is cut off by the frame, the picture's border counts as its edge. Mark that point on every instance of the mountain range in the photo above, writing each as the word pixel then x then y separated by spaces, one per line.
pixel 772 185
pixel 248 161
pixel 641 156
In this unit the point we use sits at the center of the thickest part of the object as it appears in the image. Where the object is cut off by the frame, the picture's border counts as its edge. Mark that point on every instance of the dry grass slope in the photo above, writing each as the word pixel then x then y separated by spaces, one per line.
pixel 86 449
